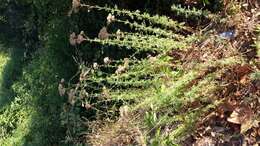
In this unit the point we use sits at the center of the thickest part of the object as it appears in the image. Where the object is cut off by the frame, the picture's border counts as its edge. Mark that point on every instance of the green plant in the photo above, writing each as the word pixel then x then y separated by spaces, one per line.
pixel 142 74
pixel 190 13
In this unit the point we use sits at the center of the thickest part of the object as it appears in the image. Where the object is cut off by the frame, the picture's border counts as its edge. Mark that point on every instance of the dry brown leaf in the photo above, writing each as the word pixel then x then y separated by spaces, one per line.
pixel 234 118
pixel 245 126
pixel 205 141
pixel 242 70
pixel 244 80
pixel 240 115
pixel 249 124
pixel 243 116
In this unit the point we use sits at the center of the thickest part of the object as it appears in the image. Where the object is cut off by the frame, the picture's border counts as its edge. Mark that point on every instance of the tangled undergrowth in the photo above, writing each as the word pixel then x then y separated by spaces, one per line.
pixel 183 72
pixel 157 82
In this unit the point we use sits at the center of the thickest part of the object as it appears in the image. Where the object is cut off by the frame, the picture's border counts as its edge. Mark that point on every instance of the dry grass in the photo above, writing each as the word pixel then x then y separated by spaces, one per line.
pixel 120 133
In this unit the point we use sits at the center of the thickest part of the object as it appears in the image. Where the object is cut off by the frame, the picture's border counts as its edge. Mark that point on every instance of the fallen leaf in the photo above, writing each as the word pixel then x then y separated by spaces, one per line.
pixel 234 118
pixel 245 126
pixel 242 70
pixel 205 141
pixel 244 80
pixel 242 115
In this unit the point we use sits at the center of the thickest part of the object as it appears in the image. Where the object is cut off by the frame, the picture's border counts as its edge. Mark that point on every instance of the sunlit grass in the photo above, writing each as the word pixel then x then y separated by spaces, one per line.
pixel 4 58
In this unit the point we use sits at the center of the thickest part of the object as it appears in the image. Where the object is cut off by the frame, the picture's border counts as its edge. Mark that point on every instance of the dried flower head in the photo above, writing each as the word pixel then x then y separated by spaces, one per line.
pixel 126 63
pixel 95 65
pixel 76 4
pixel 110 18
pixel 83 94
pixel 83 75
pixel 103 34
pixel 105 92
pixel 72 97
pixel 119 34
pixel 151 59
pixel 77 86
pixel 87 106
pixel 120 69
pixel 73 39
pixel 77 39
pixel 81 37
pixel 62 80
pixel 107 60
pixel 62 89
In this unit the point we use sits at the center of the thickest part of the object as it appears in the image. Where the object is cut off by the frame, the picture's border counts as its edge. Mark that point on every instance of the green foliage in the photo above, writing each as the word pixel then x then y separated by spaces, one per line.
pixel 163 21
pixel 35 110
pixel 205 2
pixel 189 13
pixel 143 79
pixel 255 76
pixel 34 113
pixel 159 139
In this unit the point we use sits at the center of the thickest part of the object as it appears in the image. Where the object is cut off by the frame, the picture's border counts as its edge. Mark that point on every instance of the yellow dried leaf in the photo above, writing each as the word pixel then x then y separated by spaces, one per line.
pixel 245 126
pixel 240 115
pixel 234 118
